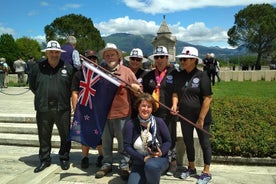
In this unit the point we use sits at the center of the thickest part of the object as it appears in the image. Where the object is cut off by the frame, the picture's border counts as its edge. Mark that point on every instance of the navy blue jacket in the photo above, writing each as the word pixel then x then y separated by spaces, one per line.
pixel 132 132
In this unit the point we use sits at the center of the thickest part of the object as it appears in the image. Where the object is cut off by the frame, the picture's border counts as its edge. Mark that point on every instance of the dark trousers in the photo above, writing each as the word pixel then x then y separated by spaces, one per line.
pixel 204 140
pixel 45 123
pixel 212 77
pixel 171 123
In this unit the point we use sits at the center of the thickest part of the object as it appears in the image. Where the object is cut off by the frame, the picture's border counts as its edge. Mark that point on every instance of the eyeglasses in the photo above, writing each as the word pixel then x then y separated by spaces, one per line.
pixel 183 59
pixel 94 58
pixel 136 59
pixel 161 57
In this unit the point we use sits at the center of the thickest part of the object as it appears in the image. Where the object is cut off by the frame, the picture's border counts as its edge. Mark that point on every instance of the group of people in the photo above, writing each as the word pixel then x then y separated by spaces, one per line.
pixel 142 115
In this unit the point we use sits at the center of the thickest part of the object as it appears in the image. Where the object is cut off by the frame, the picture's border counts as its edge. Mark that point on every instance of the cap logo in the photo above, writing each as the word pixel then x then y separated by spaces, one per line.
pixel 134 53
pixel 159 50
pixel 53 45
pixel 187 52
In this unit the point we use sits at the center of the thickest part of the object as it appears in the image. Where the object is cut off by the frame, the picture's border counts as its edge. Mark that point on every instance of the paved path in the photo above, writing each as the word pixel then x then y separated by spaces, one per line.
pixel 17 163
pixel 16 100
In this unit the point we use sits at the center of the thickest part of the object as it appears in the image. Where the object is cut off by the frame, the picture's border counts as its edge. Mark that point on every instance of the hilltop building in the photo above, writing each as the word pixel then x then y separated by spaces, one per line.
pixel 164 37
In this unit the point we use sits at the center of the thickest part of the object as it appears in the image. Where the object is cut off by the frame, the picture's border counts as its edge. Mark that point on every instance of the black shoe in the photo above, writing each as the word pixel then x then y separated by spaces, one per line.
pixel 99 161
pixel 64 164
pixel 42 166
pixel 85 163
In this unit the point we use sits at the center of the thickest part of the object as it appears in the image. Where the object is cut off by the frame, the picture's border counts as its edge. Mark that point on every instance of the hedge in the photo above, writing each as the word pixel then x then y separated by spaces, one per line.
pixel 243 127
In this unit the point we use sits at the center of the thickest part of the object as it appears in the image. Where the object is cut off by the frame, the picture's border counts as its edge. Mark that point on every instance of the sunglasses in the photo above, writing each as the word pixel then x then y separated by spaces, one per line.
pixel 136 59
pixel 183 59
pixel 161 57
pixel 92 57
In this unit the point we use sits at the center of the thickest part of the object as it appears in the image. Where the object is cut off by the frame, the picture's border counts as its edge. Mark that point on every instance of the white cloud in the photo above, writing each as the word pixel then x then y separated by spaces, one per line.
pixel 39 38
pixel 6 30
pixel 32 13
pixel 44 3
pixel 71 6
pixel 126 25
pixel 165 6
pixel 196 33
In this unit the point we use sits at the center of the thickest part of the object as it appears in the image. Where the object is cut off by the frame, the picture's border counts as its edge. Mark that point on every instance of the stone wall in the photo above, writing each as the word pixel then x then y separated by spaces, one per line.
pixel 266 75
pixel 225 75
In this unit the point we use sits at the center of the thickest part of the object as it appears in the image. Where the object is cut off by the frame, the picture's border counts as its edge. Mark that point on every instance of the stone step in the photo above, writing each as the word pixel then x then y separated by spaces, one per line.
pixel 21 128
pixel 31 140
pixel 25 134
pixel 18 118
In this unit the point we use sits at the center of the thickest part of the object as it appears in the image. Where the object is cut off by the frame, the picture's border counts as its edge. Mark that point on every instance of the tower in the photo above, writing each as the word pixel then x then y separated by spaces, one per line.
pixel 164 37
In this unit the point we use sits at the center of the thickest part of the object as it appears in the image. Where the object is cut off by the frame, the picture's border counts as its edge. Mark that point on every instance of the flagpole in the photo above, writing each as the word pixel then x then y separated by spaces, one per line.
pixel 129 86
pixel 105 70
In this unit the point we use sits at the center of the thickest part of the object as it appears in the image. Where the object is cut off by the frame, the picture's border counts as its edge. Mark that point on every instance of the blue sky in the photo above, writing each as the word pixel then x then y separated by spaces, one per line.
pixel 205 22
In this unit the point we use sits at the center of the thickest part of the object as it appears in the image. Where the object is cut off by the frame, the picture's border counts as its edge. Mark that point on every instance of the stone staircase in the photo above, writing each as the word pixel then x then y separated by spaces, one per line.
pixel 22 131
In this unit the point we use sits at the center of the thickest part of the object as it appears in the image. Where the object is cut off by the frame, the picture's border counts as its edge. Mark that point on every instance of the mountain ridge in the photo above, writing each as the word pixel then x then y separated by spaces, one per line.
pixel 126 42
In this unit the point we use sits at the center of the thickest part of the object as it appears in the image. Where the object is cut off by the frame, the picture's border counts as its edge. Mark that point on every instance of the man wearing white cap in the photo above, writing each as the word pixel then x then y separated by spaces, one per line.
pixel 158 82
pixel 50 81
pixel 192 98
pixel 119 112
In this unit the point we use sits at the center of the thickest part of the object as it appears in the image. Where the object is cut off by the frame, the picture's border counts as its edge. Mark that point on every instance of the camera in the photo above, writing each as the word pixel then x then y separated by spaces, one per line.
pixel 153 146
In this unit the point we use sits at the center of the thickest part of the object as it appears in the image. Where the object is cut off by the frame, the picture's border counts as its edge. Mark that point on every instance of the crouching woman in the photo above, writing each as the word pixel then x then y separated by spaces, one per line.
pixel 147 140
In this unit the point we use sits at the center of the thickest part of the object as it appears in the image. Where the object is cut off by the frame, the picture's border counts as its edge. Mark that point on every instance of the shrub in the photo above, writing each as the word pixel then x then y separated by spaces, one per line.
pixel 243 127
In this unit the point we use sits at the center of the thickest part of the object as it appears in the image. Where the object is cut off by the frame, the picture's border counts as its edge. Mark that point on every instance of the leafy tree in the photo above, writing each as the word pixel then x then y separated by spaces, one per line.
pixel 255 28
pixel 28 47
pixel 8 49
pixel 88 37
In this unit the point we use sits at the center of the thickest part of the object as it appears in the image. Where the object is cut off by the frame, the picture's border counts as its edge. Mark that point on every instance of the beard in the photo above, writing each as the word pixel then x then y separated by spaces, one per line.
pixel 112 64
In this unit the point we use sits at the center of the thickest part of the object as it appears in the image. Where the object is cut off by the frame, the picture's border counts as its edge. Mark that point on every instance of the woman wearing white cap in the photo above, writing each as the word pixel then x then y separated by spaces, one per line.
pixel 192 97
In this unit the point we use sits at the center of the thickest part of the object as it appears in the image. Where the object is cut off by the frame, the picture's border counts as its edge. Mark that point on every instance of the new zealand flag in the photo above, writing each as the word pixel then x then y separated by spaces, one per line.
pixel 97 91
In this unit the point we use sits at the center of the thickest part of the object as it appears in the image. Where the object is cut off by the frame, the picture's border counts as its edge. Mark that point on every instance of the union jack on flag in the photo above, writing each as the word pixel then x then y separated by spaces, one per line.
pixel 86 87
pixel 96 94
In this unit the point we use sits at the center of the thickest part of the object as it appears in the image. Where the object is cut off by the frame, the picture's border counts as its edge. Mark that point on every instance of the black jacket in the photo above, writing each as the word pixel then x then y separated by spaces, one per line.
pixel 166 89
pixel 59 79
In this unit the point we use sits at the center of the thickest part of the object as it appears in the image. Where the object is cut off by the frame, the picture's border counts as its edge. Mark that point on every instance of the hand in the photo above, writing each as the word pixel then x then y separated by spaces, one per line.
pixel 155 154
pixel 136 88
pixel 200 123
pixel 174 110
pixel 146 158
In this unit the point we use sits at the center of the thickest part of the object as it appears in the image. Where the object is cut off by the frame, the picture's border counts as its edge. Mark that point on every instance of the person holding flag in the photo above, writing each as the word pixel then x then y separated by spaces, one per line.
pixel 90 54
pixel 104 106
pixel 119 113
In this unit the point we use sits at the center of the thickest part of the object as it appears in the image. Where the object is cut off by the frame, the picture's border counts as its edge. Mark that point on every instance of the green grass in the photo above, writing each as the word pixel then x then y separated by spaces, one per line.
pixel 247 89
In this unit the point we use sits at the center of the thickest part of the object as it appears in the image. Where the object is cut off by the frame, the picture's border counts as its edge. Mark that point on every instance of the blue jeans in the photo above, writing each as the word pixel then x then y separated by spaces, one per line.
pixel 150 172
